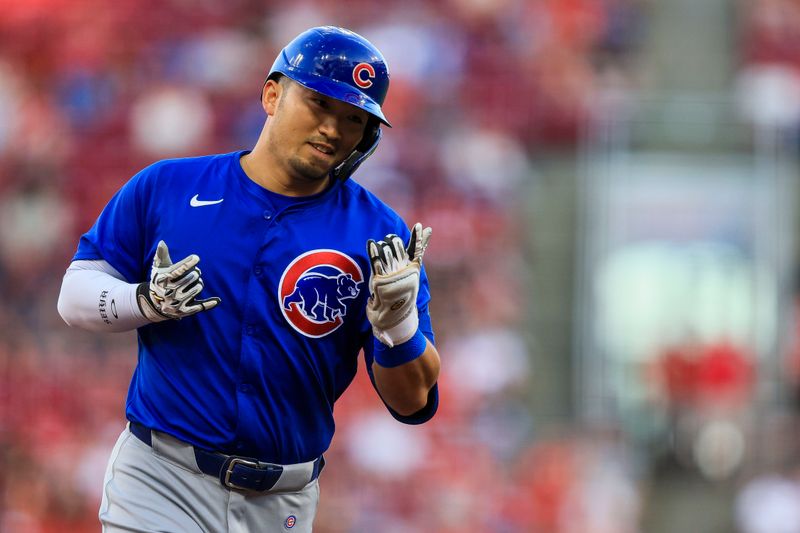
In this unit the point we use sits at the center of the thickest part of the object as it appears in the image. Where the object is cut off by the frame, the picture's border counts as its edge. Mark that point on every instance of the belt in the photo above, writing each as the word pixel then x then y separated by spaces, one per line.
pixel 233 471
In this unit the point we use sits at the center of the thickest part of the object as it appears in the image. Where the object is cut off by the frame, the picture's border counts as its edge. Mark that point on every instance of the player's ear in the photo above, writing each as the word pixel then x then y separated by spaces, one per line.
pixel 270 96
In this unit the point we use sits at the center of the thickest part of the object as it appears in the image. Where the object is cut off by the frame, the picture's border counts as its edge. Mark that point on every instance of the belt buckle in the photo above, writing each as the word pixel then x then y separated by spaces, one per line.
pixel 229 471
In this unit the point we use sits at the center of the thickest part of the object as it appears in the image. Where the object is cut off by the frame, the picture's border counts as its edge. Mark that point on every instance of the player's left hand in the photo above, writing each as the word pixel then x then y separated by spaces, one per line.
pixel 392 307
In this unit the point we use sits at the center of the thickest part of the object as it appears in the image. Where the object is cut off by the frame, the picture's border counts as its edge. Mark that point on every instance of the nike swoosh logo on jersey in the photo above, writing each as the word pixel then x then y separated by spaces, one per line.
pixel 194 202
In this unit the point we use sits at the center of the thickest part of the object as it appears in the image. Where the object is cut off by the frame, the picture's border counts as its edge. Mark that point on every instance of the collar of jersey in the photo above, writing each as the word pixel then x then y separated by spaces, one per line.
pixel 274 199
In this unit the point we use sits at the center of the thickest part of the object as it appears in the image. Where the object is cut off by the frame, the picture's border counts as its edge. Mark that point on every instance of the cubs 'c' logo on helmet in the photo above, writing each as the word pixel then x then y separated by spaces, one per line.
pixel 315 290
pixel 362 71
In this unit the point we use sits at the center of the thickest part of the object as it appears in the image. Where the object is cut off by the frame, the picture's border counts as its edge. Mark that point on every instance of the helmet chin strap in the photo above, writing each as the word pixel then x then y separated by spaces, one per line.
pixel 364 149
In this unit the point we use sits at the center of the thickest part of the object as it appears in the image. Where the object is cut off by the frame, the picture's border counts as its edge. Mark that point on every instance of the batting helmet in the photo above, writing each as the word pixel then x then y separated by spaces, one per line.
pixel 343 65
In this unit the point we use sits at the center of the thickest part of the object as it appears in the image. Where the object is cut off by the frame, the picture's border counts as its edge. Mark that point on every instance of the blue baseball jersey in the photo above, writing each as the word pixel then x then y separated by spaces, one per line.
pixel 257 375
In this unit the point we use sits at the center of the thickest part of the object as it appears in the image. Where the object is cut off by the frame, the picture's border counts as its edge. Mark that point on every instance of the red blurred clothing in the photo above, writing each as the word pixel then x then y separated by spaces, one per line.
pixel 725 375
pixel 706 375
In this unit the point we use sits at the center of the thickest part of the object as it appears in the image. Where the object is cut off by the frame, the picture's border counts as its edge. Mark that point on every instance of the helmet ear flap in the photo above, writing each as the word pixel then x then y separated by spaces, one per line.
pixel 372 133
pixel 364 149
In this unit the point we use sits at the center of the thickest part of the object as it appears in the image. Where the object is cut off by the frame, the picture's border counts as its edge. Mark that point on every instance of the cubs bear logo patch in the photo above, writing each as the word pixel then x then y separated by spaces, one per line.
pixel 315 290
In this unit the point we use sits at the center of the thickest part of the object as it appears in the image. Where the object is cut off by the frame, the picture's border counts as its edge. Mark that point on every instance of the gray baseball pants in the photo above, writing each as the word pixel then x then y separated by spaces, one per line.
pixel 161 489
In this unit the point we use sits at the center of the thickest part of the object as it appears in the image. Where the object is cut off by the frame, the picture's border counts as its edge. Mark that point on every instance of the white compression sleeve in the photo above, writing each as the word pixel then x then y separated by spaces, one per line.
pixel 95 296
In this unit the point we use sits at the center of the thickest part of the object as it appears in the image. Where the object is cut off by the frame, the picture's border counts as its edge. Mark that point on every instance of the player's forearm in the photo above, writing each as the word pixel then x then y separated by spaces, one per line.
pixel 405 387
pixel 96 300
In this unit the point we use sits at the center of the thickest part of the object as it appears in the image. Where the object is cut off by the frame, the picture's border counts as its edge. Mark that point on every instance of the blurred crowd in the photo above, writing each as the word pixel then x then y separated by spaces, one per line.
pixel 768 83
pixel 768 78
pixel 90 92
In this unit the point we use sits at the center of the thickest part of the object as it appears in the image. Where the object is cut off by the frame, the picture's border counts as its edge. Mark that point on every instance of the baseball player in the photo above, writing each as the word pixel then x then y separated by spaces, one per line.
pixel 230 407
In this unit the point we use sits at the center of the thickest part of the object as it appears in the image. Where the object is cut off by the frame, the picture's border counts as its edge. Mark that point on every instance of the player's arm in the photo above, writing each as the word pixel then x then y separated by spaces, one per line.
pixel 406 364
pixel 96 297
pixel 406 388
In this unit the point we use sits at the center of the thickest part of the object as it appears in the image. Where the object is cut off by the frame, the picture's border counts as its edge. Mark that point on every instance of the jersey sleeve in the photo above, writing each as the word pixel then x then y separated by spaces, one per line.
pixel 119 233
pixel 425 325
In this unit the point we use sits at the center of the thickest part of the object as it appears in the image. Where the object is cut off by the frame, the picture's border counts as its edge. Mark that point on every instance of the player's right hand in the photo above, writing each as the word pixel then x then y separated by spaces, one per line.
pixel 172 289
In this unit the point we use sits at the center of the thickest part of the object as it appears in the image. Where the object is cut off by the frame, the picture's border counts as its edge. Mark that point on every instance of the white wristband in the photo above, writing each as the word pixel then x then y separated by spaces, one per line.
pixel 95 296
pixel 399 333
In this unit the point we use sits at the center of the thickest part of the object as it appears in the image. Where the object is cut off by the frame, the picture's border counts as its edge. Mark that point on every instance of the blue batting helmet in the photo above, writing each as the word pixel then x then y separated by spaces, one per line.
pixel 338 63
pixel 343 65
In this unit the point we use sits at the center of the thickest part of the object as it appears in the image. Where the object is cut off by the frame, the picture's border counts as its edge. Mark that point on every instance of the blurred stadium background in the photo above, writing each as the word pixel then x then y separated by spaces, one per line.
pixel 614 190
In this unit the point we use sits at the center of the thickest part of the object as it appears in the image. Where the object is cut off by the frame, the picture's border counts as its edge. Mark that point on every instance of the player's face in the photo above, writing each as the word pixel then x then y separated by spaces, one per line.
pixel 311 133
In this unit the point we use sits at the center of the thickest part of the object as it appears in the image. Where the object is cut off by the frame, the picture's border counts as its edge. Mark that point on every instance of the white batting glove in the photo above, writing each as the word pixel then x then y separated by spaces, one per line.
pixel 171 291
pixel 392 308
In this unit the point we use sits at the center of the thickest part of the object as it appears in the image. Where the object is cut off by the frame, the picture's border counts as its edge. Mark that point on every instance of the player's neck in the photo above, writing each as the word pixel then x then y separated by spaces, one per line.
pixel 260 169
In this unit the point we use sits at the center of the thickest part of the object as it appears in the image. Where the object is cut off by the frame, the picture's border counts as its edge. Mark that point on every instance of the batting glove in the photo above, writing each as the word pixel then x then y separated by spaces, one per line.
pixel 171 291
pixel 392 308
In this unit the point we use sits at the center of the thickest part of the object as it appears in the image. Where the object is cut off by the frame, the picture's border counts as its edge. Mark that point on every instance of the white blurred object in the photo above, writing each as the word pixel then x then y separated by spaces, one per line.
pixel 92 457
pixel 379 444
pixel 488 361
pixel 33 223
pixel 605 498
pixel 170 121
pixel 612 99
pixel 285 24
pixel 769 504
pixel 409 50
pixel 719 449
pixel 769 95
pixel 222 59
pixel 17 520
pixel 492 162
pixel 481 8
pixel 417 50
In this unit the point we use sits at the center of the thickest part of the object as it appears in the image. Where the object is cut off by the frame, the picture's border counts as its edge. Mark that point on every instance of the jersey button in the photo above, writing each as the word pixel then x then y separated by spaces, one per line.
pixel 258 271
pixel 249 330
pixel 267 215
pixel 245 387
